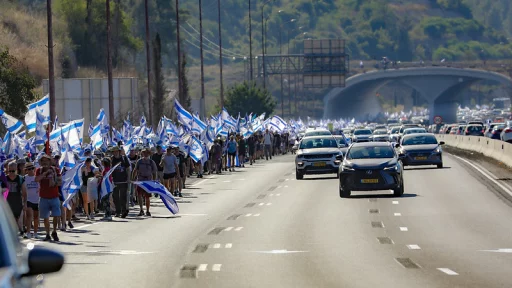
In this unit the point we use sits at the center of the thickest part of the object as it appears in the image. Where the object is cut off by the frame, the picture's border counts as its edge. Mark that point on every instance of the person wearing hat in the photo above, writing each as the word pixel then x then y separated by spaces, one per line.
pixel 21 166
pixel 48 179
pixel 121 179
pixel 32 211
pixel 157 158
pixel 170 166
pixel 145 170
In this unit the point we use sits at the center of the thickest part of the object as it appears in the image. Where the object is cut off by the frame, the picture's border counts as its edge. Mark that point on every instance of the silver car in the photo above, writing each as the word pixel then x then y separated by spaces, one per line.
pixel 317 155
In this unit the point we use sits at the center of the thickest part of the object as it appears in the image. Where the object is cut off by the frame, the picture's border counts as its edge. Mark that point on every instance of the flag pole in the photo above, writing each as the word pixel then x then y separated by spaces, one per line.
pixel 47 144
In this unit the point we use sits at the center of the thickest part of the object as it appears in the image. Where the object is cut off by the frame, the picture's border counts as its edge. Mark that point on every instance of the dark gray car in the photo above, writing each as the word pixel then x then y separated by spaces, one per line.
pixel 421 149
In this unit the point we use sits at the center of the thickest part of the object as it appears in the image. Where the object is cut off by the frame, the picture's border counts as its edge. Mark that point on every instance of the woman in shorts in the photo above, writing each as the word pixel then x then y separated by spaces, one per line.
pixel 32 211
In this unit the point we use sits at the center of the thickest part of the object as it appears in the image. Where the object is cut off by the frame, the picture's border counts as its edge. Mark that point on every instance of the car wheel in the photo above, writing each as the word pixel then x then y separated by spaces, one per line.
pixel 298 175
pixel 344 193
pixel 440 165
pixel 398 192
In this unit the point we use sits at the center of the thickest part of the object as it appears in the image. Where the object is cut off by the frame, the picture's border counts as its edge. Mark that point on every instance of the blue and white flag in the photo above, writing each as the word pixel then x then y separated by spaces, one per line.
pixel 107 186
pixel 56 122
pixel 43 106
pixel 41 136
pixel 198 126
pixel 278 123
pixel 67 159
pixel 71 183
pixel 184 117
pixel 128 146
pixel 96 137
pixel 101 116
pixel 143 121
pixel 227 120
pixel 12 124
pixel 154 187
pixel 196 149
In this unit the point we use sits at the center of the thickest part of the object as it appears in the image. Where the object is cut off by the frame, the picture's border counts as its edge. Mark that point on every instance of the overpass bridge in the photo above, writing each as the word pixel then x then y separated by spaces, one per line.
pixel 440 86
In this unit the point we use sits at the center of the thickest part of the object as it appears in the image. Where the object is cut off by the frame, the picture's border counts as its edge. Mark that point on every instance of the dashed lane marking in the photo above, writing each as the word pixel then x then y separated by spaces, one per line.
pixel 404 229
pixel 234 217
pixel 202 267
pixel 256 215
pixel 395 202
pixel 216 246
pixel 448 271
pixel 227 181
pixel 228 229
pixel 239 228
pixel 385 240
pixel 407 263
pixel 268 204
pixel 278 194
pixel 216 267
pixel 87 225
pixel 229 245
pixel 398 214
pixel 286 186
pixel 413 247
pixel 377 225
pixel 248 215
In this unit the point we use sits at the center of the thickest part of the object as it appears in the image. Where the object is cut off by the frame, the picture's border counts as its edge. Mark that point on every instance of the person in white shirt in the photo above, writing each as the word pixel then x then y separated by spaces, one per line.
pixel 267 141
pixel 32 212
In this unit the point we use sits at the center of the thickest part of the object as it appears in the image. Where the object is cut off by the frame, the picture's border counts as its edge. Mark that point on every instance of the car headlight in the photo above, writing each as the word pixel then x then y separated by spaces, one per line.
pixel 392 168
pixel 438 150
pixel 346 168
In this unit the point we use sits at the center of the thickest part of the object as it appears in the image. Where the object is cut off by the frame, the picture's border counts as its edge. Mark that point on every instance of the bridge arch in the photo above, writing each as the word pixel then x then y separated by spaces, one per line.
pixel 439 86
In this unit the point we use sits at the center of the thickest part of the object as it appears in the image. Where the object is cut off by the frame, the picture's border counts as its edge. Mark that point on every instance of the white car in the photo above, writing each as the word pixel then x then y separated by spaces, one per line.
pixel 317 155
pixel 317 132
pixel 414 131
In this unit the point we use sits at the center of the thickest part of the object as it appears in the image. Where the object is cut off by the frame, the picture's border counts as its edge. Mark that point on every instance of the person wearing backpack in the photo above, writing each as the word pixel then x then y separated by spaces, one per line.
pixel 232 147
pixel 121 180
pixel 145 170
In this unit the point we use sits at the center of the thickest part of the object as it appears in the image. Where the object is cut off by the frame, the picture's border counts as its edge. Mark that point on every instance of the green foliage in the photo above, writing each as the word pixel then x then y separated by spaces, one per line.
pixel 247 97
pixel 159 81
pixel 16 85
pixel 184 94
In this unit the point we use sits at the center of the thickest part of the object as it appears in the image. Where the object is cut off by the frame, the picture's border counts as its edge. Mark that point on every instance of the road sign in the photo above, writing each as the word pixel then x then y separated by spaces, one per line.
pixel 438 120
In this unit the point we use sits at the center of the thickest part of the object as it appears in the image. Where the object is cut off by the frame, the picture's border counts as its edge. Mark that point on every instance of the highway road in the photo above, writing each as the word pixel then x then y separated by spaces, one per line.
pixel 259 227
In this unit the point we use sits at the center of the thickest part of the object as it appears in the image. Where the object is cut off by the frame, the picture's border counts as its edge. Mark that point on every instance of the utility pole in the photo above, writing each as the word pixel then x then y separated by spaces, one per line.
pixel 220 58
pixel 51 72
pixel 250 41
pixel 109 71
pixel 280 54
pixel 148 64
pixel 203 102
pixel 180 90
pixel 289 75
pixel 263 47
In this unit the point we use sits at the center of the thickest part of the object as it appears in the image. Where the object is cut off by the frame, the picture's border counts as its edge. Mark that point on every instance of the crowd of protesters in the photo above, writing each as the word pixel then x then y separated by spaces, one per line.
pixel 32 185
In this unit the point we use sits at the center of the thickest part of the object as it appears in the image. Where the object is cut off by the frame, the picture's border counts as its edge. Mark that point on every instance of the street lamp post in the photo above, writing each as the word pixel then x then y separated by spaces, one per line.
pixel 263 38
pixel 220 58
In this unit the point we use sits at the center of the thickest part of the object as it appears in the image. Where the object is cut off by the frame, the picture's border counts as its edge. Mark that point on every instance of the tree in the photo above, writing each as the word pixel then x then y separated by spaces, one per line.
pixel 248 98
pixel 16 85
pixel 159 83
pixel 184 95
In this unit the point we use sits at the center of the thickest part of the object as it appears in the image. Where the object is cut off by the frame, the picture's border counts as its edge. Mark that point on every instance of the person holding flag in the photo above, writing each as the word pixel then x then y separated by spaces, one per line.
pixel 49 180
pixel 105 200
pixel 121 178
pixel 145 170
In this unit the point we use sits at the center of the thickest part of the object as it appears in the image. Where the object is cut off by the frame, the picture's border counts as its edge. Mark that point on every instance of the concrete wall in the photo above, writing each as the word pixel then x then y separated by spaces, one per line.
pixel 496 149
pixel 83 98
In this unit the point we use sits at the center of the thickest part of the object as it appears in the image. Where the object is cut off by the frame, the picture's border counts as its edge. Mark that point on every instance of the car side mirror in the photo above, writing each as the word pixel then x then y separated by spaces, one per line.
pixel 397 145
pixel 339 157
pixel 43 261
pixel 441 143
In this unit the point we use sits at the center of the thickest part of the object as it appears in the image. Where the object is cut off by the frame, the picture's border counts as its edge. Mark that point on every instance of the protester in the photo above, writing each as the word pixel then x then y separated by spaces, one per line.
pixel 170 165
pixel 241 151
pixel 133 157
pixel 121 179
pixel 157 157
pixel 17 193
pixel 32 207
pixel 89 172
pixel 105 201
pixel 232 148
pixel 49 180
pixel 145 169
pixel 268 144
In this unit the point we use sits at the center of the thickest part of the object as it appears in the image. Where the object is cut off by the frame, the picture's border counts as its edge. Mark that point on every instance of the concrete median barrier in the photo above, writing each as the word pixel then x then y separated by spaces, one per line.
pixel 496 149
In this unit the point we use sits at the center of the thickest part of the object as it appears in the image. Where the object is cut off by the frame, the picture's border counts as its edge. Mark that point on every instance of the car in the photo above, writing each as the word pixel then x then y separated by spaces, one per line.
pixel 488 131
pixel 343 143
pixel 405 126
pixel 380 135
pixel 393 134
pixel 414 131
pixel 361 135
pixel 317 132
pixel 317 155
pixel 474 130
pixel 506 134
pixel 19 264
pixel 371 166
pixel 496 131
pixel 421 149
pixel 379 127
pixel 460 130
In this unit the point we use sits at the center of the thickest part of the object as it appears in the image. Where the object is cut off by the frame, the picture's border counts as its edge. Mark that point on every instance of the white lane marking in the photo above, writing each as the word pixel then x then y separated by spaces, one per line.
pixel 268 204
pixel 248 215
pixel 395 202
pixel 227 181
pixel 287 180
pixel 241 179
pixel 261 204
pixel 228 229
pixel 398 214
pixel 404 229
pixel 271 195
pixel 447 271
pixel 239 228
pixel 487 175
pixel 279 252
pixel 192 214
pixel 278 194
pixel 229 245
pixel 256 215
pixel 216 246
pixel 87 225
pixel 202 267
pixel 286 186
pixel 501 250
pixel 198 183
pixel 414 247
pixel 216 267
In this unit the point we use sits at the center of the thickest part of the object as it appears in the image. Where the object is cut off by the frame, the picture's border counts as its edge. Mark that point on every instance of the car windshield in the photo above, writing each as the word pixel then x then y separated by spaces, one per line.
pixel 475 128
pixel 370 152
pixel 380 132
pixel 341 141
pixel 363 132
pixel 412 131
pixel 419 140
pixel 395 130
pixel 318 143
pixel 318 133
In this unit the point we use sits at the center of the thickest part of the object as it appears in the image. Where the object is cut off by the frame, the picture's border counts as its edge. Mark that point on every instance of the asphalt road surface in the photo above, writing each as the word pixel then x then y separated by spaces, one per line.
pixel 259 227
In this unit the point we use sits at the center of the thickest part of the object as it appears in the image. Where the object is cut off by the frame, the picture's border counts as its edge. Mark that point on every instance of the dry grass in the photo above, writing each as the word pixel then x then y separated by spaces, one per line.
pixel 23 32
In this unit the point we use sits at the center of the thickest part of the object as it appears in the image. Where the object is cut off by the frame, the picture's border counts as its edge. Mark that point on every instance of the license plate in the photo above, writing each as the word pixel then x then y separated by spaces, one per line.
pixel 319 164
pixel 369 181
pixel 420 158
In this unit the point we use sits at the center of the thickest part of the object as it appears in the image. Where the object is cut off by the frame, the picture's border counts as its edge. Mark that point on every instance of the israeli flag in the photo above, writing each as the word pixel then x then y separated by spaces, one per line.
pixel 278 123
pixel 143 121
pixel 12 124
pixel 128 146
pixel 96 137
pixel 56 122
pixel 43 106
pixel 107 186
pixel 227 120
pixel 198 126
pixel 71 183
pixel 67 159
pixel 184 117
pixel 101 116
pixel 237 162
pixel 154 187
pixel 196 149
pixel 41 136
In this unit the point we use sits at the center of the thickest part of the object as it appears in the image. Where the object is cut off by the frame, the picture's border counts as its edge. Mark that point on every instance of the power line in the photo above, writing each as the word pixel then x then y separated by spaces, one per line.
pixel 197 40
pixel 223 50
pixel 207 51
